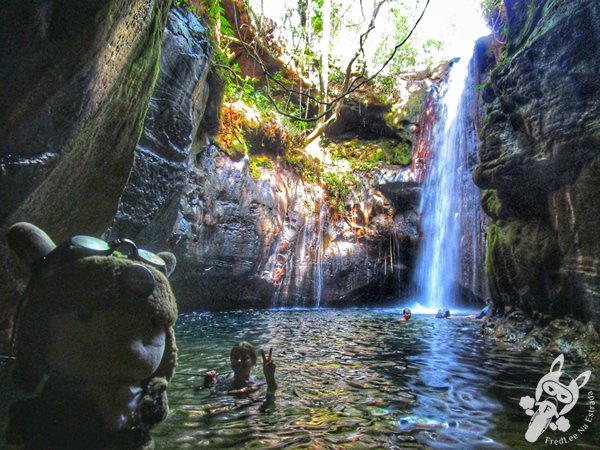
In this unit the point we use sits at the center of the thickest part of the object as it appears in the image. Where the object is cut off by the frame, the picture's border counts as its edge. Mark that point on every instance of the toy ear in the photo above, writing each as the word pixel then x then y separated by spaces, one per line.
pixel 171 261
pixel 29 242
pixel 585 376
pixel 559 360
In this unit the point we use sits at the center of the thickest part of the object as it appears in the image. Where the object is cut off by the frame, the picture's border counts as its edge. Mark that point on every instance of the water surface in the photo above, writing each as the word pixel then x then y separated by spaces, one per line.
pixel 358 378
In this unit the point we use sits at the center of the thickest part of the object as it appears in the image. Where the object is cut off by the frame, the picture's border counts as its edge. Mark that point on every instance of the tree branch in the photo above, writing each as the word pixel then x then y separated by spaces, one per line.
pixel 350 85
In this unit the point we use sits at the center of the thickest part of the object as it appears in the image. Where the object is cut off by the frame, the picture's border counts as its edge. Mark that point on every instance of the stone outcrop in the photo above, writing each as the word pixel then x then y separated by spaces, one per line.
pixel 540 163
pixel 245 242
pixel 76 78
pixel 173 122
pixel 240 241
pixel 122 149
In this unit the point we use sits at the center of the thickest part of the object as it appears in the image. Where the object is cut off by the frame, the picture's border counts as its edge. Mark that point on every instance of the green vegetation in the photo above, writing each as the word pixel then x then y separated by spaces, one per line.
pixel 494 13
pixel 407 56
pixel 258 162
pixel 366 155
pixel 351 164
pixel 274 95
pixel 307 167
pixel 338 187
pixel 491 203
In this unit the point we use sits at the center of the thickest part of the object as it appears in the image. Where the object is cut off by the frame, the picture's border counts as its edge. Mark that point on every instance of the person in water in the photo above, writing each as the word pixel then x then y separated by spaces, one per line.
pixel 240 382
pixel 482 314
pixel 406 315
pixel 443 314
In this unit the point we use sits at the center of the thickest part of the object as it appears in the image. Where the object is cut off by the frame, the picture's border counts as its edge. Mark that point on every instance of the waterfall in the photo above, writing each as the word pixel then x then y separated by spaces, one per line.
pixel 447 186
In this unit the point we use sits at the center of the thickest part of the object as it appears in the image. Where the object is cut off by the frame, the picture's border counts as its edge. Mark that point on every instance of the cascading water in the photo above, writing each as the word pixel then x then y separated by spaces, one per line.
pixel 438 269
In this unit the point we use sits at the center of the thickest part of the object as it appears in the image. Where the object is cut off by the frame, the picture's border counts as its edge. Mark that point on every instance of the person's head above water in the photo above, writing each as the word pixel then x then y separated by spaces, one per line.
pixel 406 314
pixel 243 359
pixel 442 314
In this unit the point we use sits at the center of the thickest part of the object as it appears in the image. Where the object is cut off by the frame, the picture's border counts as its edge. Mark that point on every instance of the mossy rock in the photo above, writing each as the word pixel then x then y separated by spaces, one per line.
pixel 491 204
pixel 523 262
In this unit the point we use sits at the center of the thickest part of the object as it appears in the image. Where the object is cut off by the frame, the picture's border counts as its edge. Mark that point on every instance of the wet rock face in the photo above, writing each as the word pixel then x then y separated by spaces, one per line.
pixel 243 242
pixel 366 120
pixel 76 78
pixel 539 161
pixel 173 119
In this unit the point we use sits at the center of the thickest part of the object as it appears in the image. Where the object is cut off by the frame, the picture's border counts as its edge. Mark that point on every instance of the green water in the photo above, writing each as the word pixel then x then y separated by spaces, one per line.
pixel 357 378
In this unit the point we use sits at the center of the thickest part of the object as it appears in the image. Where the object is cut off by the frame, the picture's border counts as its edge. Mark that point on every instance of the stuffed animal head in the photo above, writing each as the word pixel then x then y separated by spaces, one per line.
pixel 93 312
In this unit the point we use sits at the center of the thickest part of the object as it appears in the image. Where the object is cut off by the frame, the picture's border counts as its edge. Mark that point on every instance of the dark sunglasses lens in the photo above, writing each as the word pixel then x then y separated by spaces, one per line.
pixel 90 243
pixel 151 258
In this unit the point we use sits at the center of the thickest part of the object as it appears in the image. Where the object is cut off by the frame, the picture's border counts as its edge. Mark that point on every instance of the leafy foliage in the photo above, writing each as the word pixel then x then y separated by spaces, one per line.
pixel 407 56
pixel 258 162
pixel 368 155
pixel 494 13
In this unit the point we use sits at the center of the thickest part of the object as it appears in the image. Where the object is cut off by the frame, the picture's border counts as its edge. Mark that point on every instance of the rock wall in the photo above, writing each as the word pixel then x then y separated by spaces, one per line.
pixel 540 164
pixel 121 149
pixel 76 78
pixel 244 242
pixel 241 241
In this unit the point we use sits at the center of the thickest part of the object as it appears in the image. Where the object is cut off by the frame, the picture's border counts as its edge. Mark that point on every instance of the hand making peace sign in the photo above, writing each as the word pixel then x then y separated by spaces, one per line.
pixel 269 369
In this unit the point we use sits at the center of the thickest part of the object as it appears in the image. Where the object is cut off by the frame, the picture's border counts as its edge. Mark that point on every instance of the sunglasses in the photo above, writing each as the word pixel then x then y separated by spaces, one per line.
pixel 80 246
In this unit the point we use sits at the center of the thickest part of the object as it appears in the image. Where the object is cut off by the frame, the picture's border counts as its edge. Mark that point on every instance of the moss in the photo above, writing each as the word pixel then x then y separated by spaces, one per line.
pixel 368 154
pixel 307 167
pixel 407 112
pixel 106 140
pixel 491 203
pixel 522 262
pixel 257 163
pixel 338 188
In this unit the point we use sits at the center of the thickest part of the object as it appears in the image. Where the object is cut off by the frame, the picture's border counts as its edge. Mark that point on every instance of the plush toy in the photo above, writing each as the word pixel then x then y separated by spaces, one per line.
pixel 94 338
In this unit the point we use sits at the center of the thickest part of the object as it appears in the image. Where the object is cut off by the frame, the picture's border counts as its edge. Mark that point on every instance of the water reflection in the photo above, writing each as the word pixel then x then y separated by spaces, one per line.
pixel 451 383
pixel 354 379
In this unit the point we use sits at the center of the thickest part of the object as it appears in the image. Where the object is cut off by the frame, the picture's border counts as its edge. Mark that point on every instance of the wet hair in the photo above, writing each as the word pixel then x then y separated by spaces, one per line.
pixel 245 347
pixel 442 314
pixel 406 310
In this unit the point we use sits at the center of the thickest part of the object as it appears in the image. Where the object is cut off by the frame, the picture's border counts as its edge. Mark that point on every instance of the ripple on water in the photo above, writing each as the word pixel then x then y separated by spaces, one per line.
pixel 353 379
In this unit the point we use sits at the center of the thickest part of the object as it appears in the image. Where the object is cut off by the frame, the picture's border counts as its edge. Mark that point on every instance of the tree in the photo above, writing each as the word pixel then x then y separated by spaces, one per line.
pixel 316 18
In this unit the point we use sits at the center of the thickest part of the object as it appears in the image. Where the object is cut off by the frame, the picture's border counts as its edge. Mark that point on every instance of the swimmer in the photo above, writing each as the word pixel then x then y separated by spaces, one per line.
pixel 442 314
pixel 482 314
pixel 406 315
pixel 243 359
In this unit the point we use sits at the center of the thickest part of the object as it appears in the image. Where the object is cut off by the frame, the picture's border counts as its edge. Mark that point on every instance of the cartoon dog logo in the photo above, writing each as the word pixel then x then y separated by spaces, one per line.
pixel 553 399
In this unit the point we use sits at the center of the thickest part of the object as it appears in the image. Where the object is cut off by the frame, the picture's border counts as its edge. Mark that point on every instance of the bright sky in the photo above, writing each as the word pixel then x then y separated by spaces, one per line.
pixel 455 22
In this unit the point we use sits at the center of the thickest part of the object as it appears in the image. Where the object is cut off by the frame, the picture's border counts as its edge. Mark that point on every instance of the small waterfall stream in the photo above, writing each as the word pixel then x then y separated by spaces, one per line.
pixel 318 265
pixel 446 190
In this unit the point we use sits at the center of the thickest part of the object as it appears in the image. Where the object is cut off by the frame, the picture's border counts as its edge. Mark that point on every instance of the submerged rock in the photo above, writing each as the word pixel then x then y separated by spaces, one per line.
pixel 569 336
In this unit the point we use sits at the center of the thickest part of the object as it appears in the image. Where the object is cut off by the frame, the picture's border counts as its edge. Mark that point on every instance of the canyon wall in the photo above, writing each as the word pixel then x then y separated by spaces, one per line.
pixel 106 130
pixel 76 79
pixel 540 164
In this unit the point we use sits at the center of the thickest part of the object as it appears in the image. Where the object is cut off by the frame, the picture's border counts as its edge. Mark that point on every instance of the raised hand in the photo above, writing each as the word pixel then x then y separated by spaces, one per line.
pixel 269 369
